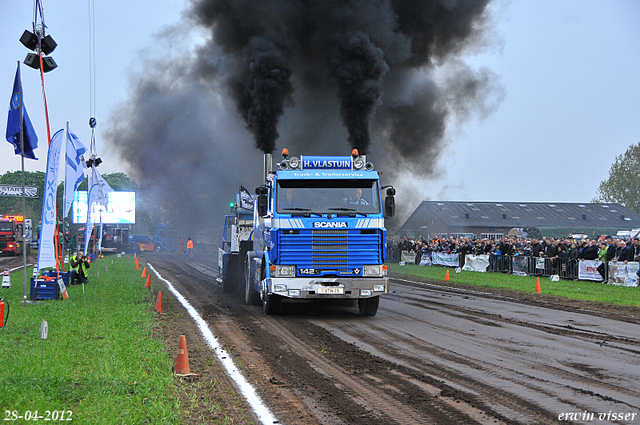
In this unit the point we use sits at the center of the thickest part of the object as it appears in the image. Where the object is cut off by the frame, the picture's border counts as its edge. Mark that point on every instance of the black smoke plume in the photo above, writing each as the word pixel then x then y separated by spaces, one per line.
pixel 263 89
pixel 335 45
pixel 318 76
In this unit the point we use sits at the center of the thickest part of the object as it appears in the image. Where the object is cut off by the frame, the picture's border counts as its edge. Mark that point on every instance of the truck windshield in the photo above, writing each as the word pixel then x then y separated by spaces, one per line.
pixel 328 196
pixel 6 227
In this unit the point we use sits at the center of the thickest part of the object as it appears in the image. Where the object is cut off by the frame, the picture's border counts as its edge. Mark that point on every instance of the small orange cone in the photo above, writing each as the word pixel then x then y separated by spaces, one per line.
pixel 144 272
pixel 148 284
pixel 538 289
pixel 181 367
pixel 158 306
pixel 446 276
pixel 135 256
pixel 137 266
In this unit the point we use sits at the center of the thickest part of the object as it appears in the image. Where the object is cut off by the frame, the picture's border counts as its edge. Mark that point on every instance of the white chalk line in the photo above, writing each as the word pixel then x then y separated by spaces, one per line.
pixel 247 390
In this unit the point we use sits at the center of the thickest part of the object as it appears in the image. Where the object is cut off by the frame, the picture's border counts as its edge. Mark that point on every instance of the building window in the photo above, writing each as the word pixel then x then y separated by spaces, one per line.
pixel 492 236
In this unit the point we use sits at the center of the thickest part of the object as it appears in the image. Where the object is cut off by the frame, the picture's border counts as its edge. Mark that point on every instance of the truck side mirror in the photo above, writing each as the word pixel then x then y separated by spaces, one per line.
pixel 390 203
pixel 262 191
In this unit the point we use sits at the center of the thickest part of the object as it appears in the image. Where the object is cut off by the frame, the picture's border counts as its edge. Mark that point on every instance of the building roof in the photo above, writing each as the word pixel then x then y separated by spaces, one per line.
pixel 529 214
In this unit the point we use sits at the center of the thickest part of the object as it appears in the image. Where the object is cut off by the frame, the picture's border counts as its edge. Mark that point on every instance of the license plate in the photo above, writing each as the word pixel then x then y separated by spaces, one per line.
pixel 331 290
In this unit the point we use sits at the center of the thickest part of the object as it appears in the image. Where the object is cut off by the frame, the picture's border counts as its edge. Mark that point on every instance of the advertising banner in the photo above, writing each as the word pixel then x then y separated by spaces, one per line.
pixel 448 260
pixel 46 250
pixel 520 265
pixel 408 257
pixel 588 270
pixel 623 274
pixel 12 190
pixel 476 263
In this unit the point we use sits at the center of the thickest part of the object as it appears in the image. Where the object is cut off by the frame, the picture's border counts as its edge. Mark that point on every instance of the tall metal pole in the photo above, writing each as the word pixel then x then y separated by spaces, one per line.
pixel 24 203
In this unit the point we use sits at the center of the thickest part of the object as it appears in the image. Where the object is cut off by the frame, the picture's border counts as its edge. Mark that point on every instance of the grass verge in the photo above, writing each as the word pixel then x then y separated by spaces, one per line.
pixel 102 363
pixel 578 290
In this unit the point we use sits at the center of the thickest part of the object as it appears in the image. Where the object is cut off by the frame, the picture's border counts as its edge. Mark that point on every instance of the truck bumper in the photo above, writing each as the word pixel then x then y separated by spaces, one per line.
pixel 326 288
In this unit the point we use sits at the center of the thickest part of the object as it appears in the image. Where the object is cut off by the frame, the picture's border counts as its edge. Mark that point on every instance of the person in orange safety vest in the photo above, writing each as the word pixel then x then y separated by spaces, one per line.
pixel 190 248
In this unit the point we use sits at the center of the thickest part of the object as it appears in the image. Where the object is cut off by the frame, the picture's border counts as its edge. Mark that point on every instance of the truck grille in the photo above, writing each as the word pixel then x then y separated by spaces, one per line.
pixel 330 249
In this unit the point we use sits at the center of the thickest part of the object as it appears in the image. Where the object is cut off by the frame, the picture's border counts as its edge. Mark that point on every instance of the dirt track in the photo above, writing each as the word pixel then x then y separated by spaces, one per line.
pixel 433 354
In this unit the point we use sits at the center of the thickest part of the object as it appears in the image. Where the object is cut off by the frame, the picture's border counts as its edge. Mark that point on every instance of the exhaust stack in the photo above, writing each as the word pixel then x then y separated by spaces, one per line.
pixel 268 166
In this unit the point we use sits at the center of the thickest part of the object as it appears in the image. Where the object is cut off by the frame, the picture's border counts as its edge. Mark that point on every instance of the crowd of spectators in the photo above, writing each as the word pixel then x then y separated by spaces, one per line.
pixel 604 248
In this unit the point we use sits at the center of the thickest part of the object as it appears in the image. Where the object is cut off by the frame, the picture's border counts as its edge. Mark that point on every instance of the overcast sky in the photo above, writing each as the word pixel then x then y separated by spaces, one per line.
pixel 570 72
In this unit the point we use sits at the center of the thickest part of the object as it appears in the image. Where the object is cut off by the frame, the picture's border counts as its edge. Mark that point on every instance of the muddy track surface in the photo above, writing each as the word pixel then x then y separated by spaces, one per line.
pixel 13 261
pixel 432 355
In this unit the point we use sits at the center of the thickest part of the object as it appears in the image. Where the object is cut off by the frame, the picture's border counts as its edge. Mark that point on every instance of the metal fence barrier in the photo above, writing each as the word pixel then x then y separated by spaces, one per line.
pixel 532 266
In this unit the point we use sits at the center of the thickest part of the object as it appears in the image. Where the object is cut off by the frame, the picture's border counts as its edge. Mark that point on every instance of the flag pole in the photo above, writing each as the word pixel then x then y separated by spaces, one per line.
pixel 24 203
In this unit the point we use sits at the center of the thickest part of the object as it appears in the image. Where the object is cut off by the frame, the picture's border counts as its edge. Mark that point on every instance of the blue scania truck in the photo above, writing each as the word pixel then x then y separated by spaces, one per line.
pixel 319 233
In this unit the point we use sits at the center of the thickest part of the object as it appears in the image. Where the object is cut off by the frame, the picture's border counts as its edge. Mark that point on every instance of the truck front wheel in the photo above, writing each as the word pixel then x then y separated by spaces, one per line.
pixel 368 306
pixel 271 304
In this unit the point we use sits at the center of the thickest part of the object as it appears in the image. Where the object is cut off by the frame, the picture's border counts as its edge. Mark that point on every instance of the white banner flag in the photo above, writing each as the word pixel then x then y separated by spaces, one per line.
pixel 246 201
pixel 46 250
pixel 74 170
pixel 98 190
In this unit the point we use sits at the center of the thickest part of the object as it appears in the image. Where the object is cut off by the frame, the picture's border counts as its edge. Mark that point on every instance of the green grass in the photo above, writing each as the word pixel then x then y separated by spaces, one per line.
pixel 579 290
pixel 101 360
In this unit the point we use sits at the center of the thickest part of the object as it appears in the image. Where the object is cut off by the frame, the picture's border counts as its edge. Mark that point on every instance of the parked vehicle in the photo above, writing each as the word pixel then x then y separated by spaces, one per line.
pixel 15 233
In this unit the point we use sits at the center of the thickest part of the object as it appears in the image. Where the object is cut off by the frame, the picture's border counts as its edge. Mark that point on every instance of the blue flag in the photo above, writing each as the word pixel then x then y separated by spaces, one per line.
pixel 13 123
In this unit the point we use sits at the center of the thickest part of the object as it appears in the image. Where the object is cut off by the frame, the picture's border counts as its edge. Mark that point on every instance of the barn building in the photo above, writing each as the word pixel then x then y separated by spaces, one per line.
pixel 496 219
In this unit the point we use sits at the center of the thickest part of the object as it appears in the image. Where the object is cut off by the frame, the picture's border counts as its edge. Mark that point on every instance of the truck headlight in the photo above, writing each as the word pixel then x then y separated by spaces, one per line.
pixel 285 271
pixel 279 288
pixel 373 270
pixel 378 288
pixel 365 292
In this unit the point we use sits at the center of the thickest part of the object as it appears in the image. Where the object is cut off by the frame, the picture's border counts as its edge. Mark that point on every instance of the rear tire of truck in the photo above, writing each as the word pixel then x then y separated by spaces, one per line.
pixel 231 274
pixel 368 306
pixel 271 304
pixel 251 297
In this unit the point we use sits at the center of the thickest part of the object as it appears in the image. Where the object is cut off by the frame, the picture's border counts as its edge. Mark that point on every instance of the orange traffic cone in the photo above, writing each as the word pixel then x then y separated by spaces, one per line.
pixel 135 256
pixel 137 266
pixel 158 306
pixel 148 284
pixel 144 272
pixel 538 289
pixel 446 276
pixel 181 367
